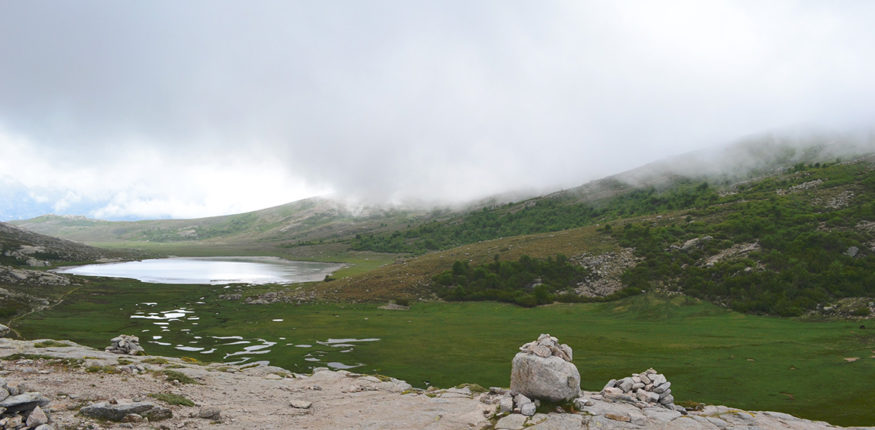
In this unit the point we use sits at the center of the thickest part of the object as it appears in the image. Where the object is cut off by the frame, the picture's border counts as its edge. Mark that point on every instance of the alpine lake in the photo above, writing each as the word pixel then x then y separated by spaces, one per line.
pixel 710 354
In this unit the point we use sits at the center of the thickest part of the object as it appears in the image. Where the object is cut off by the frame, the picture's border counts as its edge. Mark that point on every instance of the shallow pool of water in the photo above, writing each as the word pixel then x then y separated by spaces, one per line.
pixel 211 270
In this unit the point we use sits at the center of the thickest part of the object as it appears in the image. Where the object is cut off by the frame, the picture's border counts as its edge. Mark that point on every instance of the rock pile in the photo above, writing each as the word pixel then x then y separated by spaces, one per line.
pixel 519 403
pixel 125 344
pixel 543 370
pixel 22 408
pixel 648 389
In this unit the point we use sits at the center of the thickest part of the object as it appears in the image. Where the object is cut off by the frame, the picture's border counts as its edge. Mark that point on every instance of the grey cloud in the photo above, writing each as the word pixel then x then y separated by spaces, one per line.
pixel 390 100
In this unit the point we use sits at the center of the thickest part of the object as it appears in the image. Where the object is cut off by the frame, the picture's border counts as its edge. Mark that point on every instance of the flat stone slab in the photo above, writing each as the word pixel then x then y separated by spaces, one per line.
pixel 23 402
pixel 511 422
pixel 110 412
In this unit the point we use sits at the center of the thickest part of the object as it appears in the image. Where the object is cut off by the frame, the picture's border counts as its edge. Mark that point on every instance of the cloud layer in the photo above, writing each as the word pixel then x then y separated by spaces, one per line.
pixel 206 107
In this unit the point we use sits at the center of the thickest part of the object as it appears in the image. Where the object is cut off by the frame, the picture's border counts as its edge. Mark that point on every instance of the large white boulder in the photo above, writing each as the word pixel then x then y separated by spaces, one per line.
pixel 554 377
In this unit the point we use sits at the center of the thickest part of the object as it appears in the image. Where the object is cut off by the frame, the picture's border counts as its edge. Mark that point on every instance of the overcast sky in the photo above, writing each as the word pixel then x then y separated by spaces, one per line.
pixel 150 109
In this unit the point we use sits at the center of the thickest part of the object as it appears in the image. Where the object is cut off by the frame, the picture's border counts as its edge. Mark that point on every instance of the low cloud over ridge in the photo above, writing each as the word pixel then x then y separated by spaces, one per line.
pixel 201 108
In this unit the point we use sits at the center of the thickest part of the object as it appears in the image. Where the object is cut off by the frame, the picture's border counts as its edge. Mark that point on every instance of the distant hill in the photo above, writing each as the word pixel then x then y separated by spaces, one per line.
pixel 295 224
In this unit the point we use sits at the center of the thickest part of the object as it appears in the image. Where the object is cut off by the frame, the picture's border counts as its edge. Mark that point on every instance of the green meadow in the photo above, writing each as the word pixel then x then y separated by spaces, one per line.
pixel 710 354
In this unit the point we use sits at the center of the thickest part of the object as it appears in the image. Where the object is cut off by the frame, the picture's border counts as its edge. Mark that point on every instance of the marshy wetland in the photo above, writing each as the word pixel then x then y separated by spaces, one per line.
pixel 712 355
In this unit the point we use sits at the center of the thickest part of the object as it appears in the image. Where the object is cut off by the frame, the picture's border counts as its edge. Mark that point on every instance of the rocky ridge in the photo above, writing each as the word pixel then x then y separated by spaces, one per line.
pixel 79 383
pixel 20 247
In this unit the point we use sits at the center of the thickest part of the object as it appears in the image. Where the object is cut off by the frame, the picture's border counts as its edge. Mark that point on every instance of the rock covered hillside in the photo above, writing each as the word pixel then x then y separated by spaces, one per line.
pixel 24 248
pixel 72 384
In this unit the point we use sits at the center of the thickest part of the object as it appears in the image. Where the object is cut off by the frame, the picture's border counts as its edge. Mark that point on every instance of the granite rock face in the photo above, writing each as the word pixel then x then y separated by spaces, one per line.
pixel 543 370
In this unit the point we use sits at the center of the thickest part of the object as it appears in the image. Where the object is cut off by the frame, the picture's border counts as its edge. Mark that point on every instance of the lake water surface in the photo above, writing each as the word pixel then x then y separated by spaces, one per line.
pixel 211 270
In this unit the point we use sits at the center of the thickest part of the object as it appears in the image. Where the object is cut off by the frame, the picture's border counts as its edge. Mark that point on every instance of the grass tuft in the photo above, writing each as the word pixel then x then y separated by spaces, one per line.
pixel 172 399
pixel 180 377
pixel 101 369
pixel 50 343
pixel 475 388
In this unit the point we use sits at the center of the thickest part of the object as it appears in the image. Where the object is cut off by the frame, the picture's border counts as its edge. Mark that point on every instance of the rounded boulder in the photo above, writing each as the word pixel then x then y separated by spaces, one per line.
pixel 550 378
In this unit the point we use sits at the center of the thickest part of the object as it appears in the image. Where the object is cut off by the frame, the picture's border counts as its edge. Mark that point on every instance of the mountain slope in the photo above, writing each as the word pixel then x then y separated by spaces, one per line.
pixel 797 241
pixel 20 247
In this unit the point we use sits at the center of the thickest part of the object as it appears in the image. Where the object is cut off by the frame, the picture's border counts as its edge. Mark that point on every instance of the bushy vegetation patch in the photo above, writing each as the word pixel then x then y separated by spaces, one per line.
pixel 526 282
pixel 802 259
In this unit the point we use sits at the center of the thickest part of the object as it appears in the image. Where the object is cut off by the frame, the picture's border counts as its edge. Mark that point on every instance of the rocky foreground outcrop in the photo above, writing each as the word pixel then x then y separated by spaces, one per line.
pixel 84 388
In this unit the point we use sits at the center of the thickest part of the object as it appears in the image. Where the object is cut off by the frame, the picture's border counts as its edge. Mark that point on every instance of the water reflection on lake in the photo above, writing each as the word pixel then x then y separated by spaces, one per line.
pixel 211 270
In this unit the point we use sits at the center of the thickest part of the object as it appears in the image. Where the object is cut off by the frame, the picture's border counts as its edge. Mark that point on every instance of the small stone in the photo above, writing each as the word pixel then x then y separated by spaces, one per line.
pixel 210 413
pixel 37 417
pixel 568 352
pixel 612 391
pixel 521 399
pixel 662 387
pixel 667 400
pixel 626 384
pixel 581 402
pixel 158 413
pixel 542 351
pixel 132 418
pixel 13 422
pixel 527 347
pixel 505 404
pixel 658 379
pixel 637 385
pixel 610 384
pixel 528 409
pixel 615 417
pixel 300 404
pixel 643 377
pixel 511 422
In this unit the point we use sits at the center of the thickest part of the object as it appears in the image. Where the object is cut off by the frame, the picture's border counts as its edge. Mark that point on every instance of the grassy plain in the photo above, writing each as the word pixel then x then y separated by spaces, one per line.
pixel 710 354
